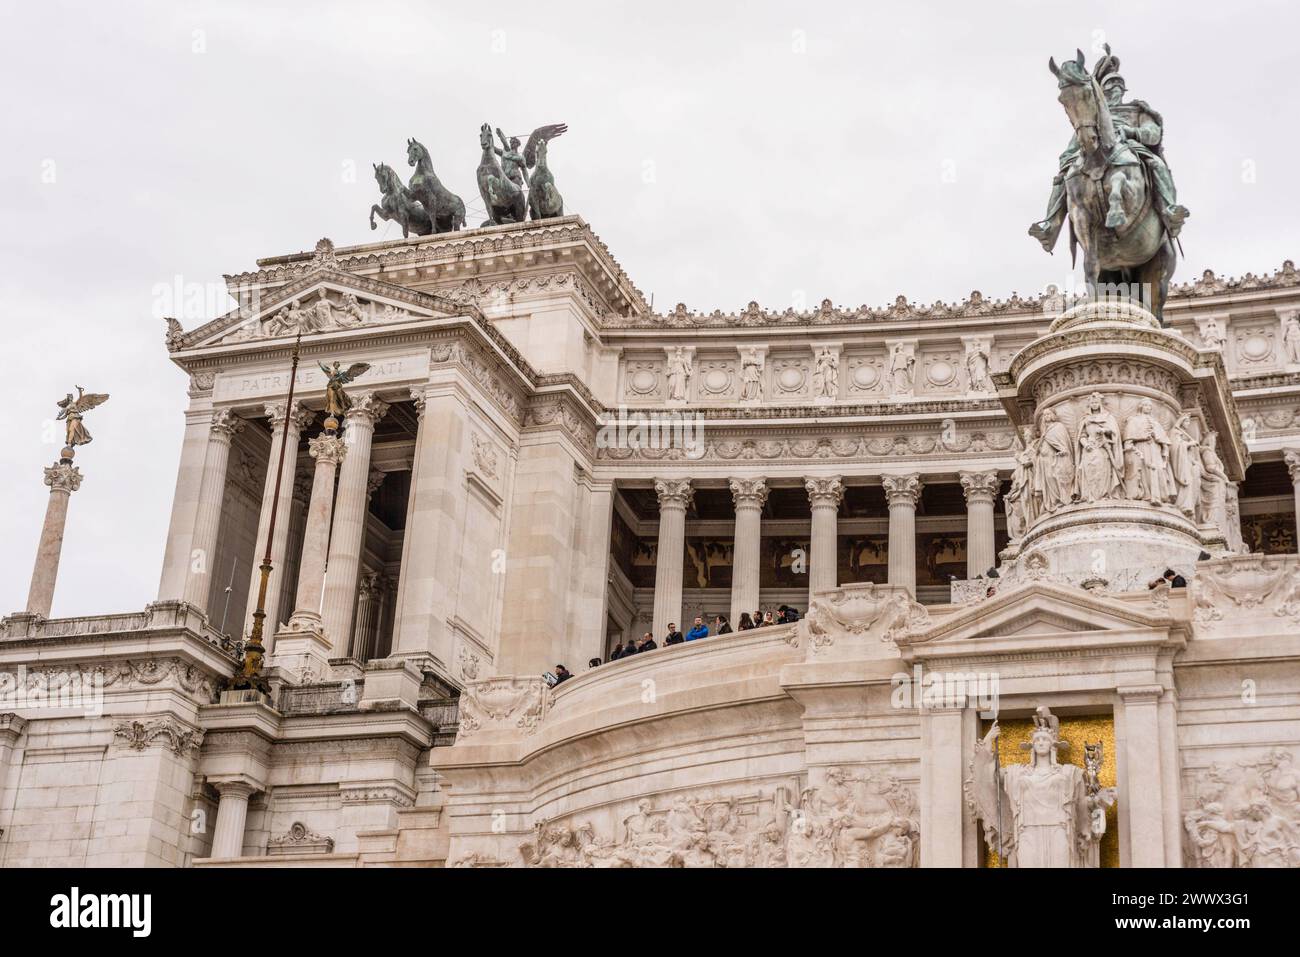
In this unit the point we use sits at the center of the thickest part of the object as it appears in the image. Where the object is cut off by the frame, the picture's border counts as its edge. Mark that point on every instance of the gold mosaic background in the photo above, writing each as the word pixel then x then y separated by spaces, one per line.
pixel 1076 731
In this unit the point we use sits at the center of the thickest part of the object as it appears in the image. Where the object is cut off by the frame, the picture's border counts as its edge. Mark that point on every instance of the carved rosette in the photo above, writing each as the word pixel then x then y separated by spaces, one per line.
pixel 749 492
pixel 902 490
pixel 979 486
pixel 328 448
pixel 63 477
pixel 674 493
pixel 825 492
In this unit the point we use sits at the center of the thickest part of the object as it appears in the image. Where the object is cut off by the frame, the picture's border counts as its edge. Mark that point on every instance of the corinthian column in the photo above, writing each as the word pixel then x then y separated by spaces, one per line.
pixel 63 478
pixel 369 597
pixel 298 420
pixel 349 522
pixel 675 496
pixel 824 495
pixel 980 489
pixel 749 494
pixel 207 521
pixel 328 451
pixel 1292 458
pixel 902 492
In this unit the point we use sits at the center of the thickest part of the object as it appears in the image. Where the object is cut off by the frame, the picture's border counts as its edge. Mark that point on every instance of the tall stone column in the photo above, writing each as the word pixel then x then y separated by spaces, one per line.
pixel 903 492
pixel 185 502
pixel 232 813
pixel 63 478
pixel 824 495
pixel 207 521
pixel 369 597
pixel 1144 787
pixel 328 451
pixel 1292 459
pixel 980 489
pixel 297 421
pixel 346 538
pixel 749 494
pixel 675 497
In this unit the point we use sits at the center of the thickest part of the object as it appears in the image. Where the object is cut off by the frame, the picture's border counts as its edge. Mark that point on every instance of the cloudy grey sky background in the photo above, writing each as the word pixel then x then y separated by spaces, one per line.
pixel 774 151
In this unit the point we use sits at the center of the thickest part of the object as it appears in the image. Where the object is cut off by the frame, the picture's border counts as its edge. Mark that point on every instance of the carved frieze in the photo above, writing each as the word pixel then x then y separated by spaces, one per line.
pixel 511 704
pixel 1244 814
pixel 159 732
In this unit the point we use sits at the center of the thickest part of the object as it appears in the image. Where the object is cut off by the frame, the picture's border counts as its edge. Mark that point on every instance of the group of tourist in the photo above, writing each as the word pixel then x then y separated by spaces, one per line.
pixel 783 615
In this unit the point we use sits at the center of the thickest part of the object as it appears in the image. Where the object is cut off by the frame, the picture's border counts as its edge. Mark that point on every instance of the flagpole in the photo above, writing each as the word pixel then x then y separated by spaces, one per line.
pixel 250 675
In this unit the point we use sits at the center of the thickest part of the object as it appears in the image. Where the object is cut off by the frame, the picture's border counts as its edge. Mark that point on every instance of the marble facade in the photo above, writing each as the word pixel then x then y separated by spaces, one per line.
pixel 539 466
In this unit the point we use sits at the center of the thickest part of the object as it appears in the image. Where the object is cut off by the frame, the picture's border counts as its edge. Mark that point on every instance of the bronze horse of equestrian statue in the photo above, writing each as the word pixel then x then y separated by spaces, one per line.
pixel 446 210
pixel 398 205
pixel 1112 211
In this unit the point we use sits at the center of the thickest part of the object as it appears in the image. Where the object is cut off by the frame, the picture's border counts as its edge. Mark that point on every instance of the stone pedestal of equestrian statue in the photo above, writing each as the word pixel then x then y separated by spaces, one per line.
pixel 1128 448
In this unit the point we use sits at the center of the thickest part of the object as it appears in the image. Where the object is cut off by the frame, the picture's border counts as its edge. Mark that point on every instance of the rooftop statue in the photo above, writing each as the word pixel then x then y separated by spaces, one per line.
pixel 398 204
pixel 444 208
pixel 502 197
pixel 337 401
pixel 544 200
pixel 1113 178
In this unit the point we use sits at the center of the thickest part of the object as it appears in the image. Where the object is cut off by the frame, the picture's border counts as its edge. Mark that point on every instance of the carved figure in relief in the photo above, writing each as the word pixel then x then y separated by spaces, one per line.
pixel 1146 457
pixel 1100 462
pixel 1020 504
pixel 826 375
pixel 1054 474
pixel 1291 339
pixel 901 366
pixel 1185 465
pixel 1247 814
pixel 679 374
pixel 1214 486
pixel 751 375
pixel 977 368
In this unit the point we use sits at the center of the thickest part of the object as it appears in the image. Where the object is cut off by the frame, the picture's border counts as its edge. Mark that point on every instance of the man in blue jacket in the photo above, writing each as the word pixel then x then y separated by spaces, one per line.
pixel 701 630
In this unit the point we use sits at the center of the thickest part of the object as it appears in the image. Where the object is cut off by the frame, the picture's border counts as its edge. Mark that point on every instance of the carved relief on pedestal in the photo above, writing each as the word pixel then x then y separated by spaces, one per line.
pixel 300 839
pixel 855 614
pixel 1231 589
pixel 1246 814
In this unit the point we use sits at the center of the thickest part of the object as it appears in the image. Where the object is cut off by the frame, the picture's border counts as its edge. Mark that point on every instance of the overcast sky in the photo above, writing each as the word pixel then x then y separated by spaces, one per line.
pixel 725 152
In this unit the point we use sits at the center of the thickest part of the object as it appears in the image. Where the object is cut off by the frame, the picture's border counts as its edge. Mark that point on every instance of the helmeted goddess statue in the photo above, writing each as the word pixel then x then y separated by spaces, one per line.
pixel 1040 814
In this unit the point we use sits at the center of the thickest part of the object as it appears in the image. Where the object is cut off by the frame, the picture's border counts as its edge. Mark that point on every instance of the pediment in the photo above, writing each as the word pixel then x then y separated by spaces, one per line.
pixel 1039 609
pixel 325 300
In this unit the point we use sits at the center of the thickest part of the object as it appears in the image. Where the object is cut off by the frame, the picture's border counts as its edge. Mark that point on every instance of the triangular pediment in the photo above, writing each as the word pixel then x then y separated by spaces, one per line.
pixel 324 300
pixel 1039 609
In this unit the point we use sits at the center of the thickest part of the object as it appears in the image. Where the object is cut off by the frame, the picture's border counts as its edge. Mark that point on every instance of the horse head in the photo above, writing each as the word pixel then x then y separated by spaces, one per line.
pixel 383 176
pixel 485 136
pixel 415 152
pixel 1083 102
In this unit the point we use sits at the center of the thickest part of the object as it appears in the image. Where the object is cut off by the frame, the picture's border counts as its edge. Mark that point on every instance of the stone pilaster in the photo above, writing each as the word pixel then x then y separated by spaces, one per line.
pixel 749 495
pixel 63 478
pixel 207 521
pixel 348 531
pixel 1292 458
pixel 288 434
pixel 232 813
pixel 824 496
pixel 980 489
pixel 903 492
pixel 1144 785
pixel 675 497
pixel 11 729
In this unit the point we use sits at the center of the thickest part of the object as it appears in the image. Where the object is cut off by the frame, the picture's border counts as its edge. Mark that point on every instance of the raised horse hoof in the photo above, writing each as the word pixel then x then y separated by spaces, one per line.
pixel 1115 219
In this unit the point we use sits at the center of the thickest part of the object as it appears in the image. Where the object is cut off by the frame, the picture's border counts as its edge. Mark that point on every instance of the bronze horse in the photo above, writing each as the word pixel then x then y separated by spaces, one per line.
pixel 1112 213
pixel 503 200
pixel 398 204
pixel 446 210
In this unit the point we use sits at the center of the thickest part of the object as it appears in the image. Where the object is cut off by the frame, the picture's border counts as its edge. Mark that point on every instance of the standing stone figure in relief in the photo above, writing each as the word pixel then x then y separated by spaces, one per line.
pixel 679 374
pixel 901 364
pixel 1291 339
pixel 1214 486
pixel 826 375
pixel 1019 501
pixel 751 375
pixel 1054 472
pixel 1039 814
pixel 977 368
pixel 1101 463
pixel 1146 457
pixel 1185 461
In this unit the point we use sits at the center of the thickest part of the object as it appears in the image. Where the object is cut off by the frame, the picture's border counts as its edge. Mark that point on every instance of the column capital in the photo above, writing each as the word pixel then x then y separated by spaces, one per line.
pixel 238 787
pixel 674 493
pixel 328 448
pixel 366 410
pixel 63 477
pixel 225 425
pixel 420 401
pixel 1292 459
pixel 303 417
pixel 903 489
pixel 824 491
pixel 979 486
pixel 749 492
pixel 373 481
